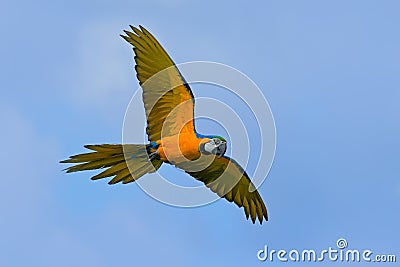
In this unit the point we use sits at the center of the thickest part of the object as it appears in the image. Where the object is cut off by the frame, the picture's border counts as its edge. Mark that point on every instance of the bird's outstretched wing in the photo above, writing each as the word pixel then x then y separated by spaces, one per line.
pixel 225 177
pixel 167 98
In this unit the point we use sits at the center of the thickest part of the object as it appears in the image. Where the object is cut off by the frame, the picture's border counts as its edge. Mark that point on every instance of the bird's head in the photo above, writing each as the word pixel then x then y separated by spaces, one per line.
pixel 216 146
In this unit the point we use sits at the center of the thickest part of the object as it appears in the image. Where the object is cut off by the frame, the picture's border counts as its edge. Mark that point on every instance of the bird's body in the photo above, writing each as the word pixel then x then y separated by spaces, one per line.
pixel 180 147
pixel 173 139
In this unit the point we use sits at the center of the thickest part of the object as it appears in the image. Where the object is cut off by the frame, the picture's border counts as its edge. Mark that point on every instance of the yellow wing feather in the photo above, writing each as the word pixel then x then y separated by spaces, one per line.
pixel 167 98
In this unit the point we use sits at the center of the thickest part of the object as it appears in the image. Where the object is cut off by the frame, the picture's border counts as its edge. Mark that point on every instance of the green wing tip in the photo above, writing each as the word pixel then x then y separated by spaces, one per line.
pixel 133 27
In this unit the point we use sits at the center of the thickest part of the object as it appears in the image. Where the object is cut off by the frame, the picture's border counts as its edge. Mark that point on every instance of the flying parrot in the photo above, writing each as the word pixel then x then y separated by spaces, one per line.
pixel 173 139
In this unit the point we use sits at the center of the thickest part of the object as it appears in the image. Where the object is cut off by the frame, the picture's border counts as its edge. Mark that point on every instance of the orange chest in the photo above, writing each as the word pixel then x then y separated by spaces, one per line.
pixel 179 148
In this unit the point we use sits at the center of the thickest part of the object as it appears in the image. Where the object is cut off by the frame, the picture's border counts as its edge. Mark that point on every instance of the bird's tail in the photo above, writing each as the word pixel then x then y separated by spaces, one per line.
pixel 124 163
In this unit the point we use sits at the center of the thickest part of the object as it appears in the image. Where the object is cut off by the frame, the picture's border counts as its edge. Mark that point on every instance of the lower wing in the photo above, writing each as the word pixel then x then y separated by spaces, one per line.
pixel 225 177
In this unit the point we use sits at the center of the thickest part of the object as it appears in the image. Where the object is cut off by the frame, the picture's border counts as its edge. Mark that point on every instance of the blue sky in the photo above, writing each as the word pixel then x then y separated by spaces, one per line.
pixel 329 69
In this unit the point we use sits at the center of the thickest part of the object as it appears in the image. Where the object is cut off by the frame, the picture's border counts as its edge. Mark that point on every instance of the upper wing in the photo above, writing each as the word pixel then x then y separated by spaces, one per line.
pixel 167 98
pixel 225 177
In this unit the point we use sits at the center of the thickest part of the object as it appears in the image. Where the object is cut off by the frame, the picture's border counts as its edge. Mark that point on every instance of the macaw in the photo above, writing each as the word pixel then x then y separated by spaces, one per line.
pixel 173 139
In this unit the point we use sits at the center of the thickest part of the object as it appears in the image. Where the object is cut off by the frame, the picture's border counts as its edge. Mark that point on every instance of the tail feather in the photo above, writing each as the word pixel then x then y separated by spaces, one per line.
pixel 121 176
pixel 123 163
pixel 139 172
pixel 95 164
pixel 113 170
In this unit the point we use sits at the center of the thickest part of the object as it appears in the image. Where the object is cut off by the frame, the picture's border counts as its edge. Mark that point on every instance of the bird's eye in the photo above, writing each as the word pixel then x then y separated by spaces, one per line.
pixel 217 141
